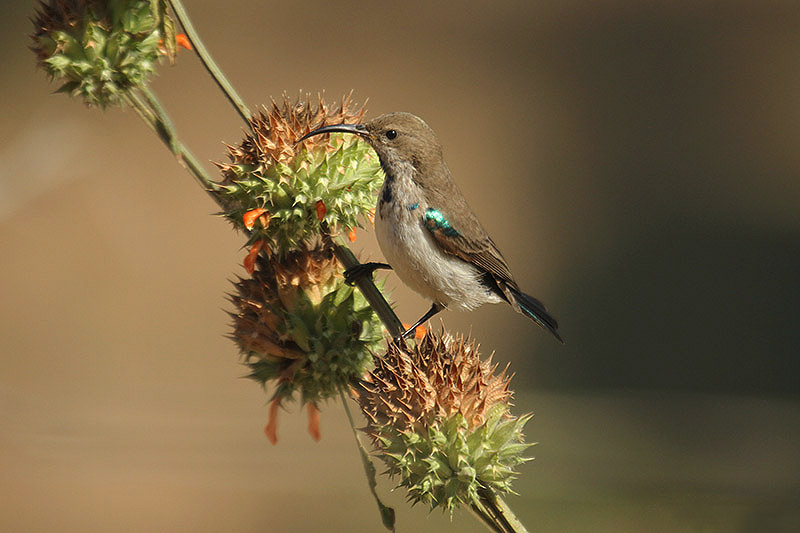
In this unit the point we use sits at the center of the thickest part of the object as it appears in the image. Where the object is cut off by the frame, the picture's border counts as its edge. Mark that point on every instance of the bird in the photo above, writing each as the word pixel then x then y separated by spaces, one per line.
pixel 427 231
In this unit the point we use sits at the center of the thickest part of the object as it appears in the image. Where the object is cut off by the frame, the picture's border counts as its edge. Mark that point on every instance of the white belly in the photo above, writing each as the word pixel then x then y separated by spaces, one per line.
pixel 417 260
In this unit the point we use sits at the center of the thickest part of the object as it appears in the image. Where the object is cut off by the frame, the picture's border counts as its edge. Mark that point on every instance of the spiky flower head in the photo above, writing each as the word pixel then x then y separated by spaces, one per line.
pixel 327 180
pixel 301 328
pixel 439 419
pixel 99 49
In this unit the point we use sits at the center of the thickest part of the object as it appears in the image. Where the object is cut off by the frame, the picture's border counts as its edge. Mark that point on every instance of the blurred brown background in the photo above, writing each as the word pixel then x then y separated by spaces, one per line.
pixel 637 162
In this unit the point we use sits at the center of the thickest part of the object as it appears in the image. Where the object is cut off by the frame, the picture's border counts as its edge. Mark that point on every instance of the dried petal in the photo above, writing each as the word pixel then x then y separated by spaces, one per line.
pixel 252 255
pixel 313 421
pixel 271 429
pixel 321 209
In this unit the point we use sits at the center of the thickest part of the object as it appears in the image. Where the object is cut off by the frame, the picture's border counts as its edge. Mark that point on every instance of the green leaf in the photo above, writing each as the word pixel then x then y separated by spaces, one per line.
pixel 69 87
pixel 166 27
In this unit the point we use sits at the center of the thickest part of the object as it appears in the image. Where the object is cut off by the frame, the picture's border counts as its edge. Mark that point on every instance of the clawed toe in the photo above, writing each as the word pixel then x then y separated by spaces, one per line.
pixel 352 274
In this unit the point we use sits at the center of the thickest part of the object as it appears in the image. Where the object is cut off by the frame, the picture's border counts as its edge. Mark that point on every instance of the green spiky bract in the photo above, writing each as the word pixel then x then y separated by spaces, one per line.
pixel 345 176
pixel 313 338
pixel 336 337
pixel 445 464
pixel 99 49
pixel 439 418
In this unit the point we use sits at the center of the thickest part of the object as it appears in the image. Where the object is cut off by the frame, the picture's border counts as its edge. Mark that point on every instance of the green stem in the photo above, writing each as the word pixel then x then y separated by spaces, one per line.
pixel 166 129
pixel 492 509
pixel 483 514
pixel 508 515
pixel 387 513
pixel 208 61
pixel 152 114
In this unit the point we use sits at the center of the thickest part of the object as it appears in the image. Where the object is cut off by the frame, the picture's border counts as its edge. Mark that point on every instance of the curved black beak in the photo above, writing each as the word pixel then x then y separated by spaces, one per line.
pixel 357 129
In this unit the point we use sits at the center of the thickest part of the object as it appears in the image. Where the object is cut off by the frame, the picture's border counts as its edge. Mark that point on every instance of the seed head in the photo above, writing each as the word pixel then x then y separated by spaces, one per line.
pixel 301 328
pixel 328 179
pixel 98 49
pixel 439 418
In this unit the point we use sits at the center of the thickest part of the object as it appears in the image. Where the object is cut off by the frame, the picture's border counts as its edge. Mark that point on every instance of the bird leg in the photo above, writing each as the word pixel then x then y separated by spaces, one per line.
pixel 362 269
pixel 435 308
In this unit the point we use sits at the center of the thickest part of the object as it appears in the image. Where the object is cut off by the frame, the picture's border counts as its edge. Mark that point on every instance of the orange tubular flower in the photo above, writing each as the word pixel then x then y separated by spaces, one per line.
pixel 250 260
pixel 249 218
pixel 271 429
pixel 183 41
pixel 313 421
pixel 321 209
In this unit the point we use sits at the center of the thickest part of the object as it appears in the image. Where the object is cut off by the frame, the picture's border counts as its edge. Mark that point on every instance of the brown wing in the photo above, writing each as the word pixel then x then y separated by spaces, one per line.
pixel 464 237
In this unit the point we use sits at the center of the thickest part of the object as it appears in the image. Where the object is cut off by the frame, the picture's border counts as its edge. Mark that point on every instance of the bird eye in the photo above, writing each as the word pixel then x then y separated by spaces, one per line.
pixel 391 135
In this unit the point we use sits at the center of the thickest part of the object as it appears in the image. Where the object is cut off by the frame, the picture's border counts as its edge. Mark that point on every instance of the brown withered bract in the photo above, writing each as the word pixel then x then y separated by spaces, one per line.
pixel 442 375
pixel 277 128
pixel 275 285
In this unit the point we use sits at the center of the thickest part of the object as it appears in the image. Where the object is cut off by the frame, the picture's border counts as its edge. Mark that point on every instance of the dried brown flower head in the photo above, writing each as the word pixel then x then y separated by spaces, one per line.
pixel 328 181
pixel 439 418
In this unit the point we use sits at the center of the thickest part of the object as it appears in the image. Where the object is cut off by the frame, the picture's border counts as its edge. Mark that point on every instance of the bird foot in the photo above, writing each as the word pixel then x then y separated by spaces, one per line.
pixel 352 274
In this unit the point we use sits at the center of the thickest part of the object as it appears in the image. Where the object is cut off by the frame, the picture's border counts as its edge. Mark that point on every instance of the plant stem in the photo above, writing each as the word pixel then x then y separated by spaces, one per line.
pixel 483 514
pixel 508 515
pixel 208 61
pixel 151 112
pixel 497 512
pixel 387 513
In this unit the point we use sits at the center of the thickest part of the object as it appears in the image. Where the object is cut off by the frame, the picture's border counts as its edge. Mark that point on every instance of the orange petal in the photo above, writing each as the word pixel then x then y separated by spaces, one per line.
pixel 321 209
pixel 251 216
pixel 271 429
pixel 371 216
pixel 252 255
pixel 313 421
pixel 352 234
pixel 419 333
pixel 182 40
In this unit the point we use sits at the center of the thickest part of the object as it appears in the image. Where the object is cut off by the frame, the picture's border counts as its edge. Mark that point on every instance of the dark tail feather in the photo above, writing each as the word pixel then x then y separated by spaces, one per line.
pixel 535 310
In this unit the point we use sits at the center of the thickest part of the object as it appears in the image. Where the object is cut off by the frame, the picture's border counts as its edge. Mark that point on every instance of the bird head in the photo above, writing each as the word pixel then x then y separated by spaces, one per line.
pixel 398 139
